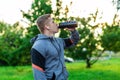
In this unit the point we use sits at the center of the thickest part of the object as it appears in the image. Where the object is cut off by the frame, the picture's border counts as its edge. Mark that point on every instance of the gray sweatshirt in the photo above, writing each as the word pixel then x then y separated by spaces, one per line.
pixel 47 56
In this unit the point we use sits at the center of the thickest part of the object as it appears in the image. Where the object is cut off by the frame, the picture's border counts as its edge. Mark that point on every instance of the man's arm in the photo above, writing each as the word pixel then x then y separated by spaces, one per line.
pixel 38 65
pixel 73 40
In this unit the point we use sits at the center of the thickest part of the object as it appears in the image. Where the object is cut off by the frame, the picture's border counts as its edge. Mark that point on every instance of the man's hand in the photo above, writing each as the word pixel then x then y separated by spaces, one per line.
pixel 70 29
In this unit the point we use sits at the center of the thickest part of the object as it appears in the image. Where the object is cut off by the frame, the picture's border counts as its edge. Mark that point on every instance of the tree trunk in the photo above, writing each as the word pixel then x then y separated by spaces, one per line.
pixel 88 64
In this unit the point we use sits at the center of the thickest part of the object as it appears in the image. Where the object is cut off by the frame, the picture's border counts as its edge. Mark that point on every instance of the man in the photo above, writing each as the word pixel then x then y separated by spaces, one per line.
pixel 47 52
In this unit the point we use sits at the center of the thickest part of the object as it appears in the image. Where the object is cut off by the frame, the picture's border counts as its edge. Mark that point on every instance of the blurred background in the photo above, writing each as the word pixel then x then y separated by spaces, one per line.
pixel 98 27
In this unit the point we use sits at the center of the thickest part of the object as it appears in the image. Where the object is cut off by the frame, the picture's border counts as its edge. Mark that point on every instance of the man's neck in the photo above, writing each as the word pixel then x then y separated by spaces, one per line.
pixel 49 34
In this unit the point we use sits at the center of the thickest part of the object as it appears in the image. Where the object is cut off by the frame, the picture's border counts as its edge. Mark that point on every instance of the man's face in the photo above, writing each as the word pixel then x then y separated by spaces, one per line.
pixel 53 27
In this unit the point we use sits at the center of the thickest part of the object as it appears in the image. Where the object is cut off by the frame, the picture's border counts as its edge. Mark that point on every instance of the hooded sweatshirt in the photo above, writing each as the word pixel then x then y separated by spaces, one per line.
pixel 47 56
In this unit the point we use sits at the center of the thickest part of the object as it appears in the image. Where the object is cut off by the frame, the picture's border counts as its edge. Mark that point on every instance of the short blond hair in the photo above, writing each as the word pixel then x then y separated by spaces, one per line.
pixel 42 21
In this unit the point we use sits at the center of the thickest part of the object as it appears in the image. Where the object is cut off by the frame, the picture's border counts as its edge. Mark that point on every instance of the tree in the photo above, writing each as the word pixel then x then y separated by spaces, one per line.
pixel 110 39
pixel 116 3
pixel 38 8
pixel 88 44
pixel 11 39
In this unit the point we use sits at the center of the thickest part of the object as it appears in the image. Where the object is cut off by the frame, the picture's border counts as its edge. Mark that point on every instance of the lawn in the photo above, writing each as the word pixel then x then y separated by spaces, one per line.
pixel 102 70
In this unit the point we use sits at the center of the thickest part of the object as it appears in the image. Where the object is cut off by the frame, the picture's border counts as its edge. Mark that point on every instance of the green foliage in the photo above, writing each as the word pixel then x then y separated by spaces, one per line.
pixel 11 40
pixel 87 47
pixel 38 8
pixel 88 42
pixel 110 40
pixel 60 15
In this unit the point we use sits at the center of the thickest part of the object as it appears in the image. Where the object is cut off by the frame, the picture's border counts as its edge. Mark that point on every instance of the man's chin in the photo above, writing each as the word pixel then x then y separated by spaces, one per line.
pixel 56 31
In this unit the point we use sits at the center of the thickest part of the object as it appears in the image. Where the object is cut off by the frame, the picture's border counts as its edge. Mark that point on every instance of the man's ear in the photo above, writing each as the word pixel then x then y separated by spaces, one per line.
pixel 47 27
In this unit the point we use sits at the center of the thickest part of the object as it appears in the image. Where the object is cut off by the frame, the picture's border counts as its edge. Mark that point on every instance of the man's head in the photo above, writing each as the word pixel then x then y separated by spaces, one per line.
pixel 45 22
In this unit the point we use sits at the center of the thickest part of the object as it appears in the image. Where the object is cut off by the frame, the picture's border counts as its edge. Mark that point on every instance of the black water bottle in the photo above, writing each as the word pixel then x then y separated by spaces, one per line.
pixel 68 24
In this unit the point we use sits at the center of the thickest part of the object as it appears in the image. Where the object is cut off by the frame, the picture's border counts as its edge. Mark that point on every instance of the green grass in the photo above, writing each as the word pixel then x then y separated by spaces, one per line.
pixel 16 73
pixel 102 70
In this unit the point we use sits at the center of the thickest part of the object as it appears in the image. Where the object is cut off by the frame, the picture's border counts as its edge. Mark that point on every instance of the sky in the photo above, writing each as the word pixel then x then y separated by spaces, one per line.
pixel 83 8
pixel 10 9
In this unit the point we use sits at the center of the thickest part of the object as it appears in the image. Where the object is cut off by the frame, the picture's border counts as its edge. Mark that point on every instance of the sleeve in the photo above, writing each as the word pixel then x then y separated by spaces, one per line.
pixel 73 40
pixel 38 65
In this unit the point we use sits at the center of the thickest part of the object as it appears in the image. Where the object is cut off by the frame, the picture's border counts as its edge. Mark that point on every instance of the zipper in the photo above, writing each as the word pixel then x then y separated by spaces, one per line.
pixel 58 52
